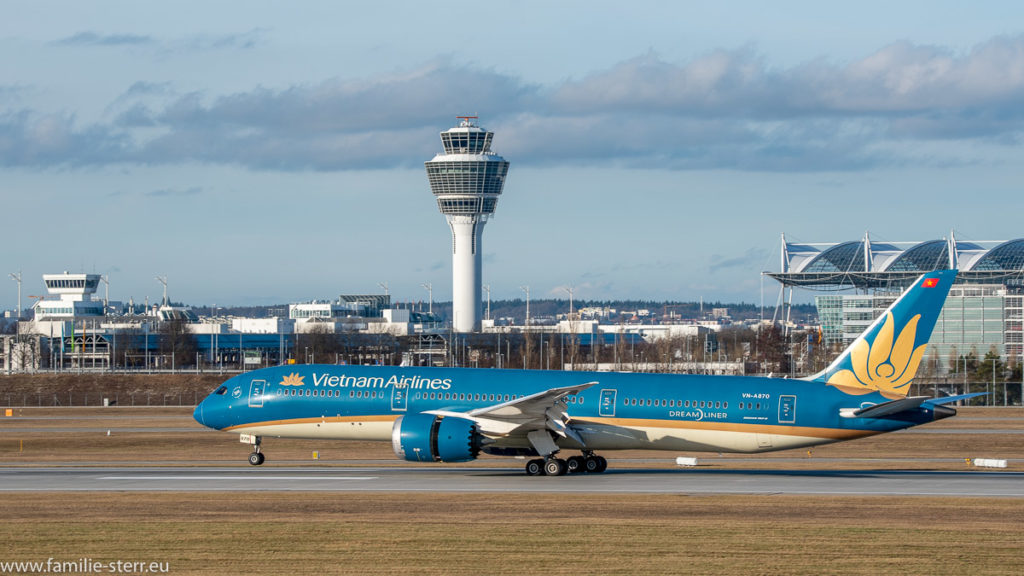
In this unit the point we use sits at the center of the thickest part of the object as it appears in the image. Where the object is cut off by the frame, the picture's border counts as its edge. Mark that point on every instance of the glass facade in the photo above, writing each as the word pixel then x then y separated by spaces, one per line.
pixel 924 257
pixel 974 318
pixel 79 283
pixel 846 257
pixel 467 177
pixel 466 142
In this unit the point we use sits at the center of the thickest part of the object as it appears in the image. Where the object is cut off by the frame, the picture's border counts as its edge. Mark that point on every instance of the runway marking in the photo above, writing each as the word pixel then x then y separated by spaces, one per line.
pixel 248 477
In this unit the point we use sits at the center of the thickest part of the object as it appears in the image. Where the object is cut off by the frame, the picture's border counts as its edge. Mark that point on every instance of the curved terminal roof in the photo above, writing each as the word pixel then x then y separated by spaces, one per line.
pixel 867 264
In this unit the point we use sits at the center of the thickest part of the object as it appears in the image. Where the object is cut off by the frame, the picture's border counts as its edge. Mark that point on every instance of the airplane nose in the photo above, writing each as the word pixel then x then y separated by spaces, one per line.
pixel 198 414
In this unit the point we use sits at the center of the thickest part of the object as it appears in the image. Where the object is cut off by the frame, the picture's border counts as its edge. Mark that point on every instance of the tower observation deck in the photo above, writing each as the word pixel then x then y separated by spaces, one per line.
pixel 466 181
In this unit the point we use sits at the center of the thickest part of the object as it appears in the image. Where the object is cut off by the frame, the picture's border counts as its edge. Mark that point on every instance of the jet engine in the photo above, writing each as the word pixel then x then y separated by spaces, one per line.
pixel 430 438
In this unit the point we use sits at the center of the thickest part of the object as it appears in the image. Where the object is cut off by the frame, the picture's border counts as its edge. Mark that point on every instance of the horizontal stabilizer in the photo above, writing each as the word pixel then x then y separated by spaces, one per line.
pixel 885 408
pixel 902 405
pixel 951 399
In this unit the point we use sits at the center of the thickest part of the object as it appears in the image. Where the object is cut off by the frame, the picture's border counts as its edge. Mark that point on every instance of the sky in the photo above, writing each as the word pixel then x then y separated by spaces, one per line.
pixel 265 152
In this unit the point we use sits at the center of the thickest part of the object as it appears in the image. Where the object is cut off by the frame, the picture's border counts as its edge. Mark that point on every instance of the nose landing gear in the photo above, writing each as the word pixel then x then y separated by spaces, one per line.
pixel 256 457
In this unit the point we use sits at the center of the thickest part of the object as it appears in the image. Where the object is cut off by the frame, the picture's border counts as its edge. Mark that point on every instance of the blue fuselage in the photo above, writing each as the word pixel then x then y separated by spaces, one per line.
pixel 620 411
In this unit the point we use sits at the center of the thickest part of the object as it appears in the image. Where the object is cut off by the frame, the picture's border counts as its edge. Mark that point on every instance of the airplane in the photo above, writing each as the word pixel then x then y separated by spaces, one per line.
pixel 454 414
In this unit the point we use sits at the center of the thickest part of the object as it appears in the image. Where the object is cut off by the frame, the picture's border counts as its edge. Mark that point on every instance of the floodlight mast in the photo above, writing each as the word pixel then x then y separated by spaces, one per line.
pixel 467 179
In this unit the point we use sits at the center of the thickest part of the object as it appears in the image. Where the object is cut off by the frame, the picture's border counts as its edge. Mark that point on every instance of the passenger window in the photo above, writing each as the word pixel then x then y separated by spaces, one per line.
pixel 758 405
pixel 725 405
pixel 351 393
pixel 718 405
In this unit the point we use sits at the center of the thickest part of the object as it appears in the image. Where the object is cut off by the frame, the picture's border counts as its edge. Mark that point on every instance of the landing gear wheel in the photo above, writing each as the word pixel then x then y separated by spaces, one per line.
pixel 591 465
pixel 602 464
pixel 535 467
pixel 555 467
pixel 256 458
pixel 575 464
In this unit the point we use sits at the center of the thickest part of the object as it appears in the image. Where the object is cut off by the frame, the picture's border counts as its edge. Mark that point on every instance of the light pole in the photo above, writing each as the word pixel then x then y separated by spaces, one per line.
pixel 527 290
pixel 106 298
pixel 16 276
pixel 163 280
pixel 383 285
pixel 993 376
pixel 487 288
pixel 430 297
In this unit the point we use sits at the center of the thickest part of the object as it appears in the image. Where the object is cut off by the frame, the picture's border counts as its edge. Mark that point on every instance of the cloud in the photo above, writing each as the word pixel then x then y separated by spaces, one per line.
pixel 241 41
pixel 31 139
pixel 752 259
pixel 196 43
pixel 726 109
pixel 95 39
pixel 175 192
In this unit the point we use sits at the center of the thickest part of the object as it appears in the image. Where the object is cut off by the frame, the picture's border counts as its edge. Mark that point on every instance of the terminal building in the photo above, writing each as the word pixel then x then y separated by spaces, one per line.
pixel 983 312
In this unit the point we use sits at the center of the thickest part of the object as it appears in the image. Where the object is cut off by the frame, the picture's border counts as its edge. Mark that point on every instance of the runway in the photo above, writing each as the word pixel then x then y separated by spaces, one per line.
pixel 500 480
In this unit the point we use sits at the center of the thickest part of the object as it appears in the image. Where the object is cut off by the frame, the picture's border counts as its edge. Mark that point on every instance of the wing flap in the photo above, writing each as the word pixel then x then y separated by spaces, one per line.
pixel 544 410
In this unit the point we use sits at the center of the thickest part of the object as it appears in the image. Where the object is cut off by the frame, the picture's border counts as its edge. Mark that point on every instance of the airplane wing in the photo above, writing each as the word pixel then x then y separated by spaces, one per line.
pixel 545 410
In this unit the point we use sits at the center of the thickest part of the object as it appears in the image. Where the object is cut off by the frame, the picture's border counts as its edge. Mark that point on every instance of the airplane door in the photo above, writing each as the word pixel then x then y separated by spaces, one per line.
pixel 256 393
pixel 607 403
pixel 787 409
pixel 399 398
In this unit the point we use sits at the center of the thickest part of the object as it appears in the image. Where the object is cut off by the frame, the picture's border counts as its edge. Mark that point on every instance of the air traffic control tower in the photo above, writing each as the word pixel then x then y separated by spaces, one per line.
pixel 466 180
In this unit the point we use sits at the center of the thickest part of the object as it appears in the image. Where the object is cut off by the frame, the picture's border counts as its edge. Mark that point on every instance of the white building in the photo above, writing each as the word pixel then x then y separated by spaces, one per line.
pixel 75 302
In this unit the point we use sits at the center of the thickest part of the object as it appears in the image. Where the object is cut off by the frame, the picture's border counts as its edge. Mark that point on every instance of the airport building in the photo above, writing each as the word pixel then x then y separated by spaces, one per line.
pixel 983 312
pixel 73 331
pixel 467 179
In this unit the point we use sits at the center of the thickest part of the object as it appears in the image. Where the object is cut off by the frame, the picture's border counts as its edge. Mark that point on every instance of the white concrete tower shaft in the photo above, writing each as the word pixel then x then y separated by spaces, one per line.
pixel 467 180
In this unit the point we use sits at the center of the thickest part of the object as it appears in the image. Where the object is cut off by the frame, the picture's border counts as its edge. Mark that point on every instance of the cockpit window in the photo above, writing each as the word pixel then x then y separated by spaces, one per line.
pixel 220 391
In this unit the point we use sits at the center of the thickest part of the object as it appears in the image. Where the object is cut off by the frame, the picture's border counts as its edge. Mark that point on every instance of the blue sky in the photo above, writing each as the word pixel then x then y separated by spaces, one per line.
pixel 256 152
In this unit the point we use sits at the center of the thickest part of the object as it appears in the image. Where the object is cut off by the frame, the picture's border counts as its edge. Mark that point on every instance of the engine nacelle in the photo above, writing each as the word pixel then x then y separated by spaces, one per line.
pixel 430 438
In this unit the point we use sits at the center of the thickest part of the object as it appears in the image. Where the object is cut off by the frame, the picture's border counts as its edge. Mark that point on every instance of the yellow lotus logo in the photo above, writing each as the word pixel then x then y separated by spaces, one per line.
pixel 292 379
pixel 883 365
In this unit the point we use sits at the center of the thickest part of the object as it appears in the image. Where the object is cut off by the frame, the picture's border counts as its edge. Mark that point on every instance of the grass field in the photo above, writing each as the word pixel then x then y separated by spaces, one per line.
pixel 306 533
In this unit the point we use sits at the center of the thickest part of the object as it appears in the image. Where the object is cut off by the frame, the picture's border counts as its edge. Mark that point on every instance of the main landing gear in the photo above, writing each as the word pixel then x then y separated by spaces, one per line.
pixel 588 462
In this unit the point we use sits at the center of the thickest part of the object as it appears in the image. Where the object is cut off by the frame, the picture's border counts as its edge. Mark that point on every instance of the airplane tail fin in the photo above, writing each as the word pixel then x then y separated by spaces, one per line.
pixel 886 356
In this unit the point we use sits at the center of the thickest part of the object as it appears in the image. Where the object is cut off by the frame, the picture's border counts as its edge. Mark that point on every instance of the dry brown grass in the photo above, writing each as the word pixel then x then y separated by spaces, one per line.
pixel 300 533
